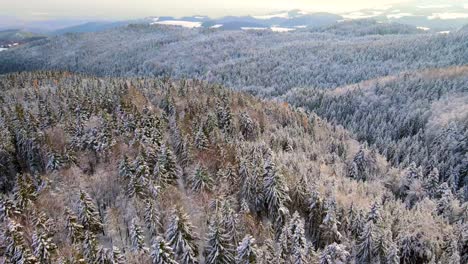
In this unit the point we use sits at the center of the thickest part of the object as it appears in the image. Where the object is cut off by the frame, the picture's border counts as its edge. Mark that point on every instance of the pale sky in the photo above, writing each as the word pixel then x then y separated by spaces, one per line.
pixel 37 9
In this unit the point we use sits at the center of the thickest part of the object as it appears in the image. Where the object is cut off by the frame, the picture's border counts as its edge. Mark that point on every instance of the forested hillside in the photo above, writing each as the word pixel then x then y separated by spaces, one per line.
pixel 305 68
pixel 419 117
pixel 266 62
pixel 140 170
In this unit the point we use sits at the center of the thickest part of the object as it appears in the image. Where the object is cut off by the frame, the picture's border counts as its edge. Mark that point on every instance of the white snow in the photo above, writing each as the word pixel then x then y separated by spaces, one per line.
pixel 2 49
pixel 423 28
pixel 253 28
pixel 301 26
pixel 399 15
pixel 217 26
pixel 279 15
pixel 155 19
pixel 443 32
pixel 465 6
pixel 181 23
pixel 199 17
pixel 448 15
pixel 281 29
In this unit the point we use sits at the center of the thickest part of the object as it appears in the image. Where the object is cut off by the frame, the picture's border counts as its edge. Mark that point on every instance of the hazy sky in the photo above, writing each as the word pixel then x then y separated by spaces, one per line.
pixel 37 9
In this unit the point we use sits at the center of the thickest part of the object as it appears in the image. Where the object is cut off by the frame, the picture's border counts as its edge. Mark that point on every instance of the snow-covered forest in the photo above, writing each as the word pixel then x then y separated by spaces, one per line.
pixel 158 144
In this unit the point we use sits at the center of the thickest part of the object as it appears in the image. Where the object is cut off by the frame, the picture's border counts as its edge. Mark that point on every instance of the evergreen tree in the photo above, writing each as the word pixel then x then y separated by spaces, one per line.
pixel 43 246
pixel 152 221
pixel 431 182
pixel 117 256
pixel 200 180
pixel 293 240
pixel 276 191
pixel 167 171
pixel 75 231
pixel 334 254
pixel 329 228
pixel 90 246
pixel 88 214
pixel 181 238
pixel 218 248
pixel 25 193
pixel 201 141
pixel 161 252
pixel 247 251
pixel 136 236
pixel 15 247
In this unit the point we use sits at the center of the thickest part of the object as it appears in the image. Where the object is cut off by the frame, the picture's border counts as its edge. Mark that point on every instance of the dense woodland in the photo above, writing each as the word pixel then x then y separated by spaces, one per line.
pixel 301 67
pixel 419 117
pixel 138 170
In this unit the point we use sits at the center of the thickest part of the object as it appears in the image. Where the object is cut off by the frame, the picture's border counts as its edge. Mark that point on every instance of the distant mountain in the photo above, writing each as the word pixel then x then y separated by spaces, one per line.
pixel 364 27
pixel 90 27
pixel 12 36
pixel 442 16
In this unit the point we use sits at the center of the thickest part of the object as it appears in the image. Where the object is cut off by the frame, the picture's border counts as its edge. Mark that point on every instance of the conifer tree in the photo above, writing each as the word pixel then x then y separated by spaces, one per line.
pixel 15 247
pixel 200 180
pixel 334 254
pixel 43 246
pixel 431 182
pixel 161 252
pixel 88 214
pixel 276 191
pixel 329 228
pixel 293 241
pixel 247 251
pixel 136 236
pixel 167 171
pixel 218 248
pixel 25 193
pixel 90 246
pixel 75 231
pixel 152 220
pixel 201 141
pixel 181 238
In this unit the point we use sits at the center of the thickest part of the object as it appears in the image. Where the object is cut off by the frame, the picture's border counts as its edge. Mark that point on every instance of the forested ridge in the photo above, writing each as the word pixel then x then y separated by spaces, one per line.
pixel 140 170
pixel 416 117
pixel 277 65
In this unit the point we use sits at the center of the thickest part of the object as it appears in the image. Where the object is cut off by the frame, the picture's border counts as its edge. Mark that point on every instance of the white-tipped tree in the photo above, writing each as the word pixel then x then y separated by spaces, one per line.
pixel 136 236
pixel 161 252
pixel 219 249
pixel 181 237
pixel 247 251
pixel 88 213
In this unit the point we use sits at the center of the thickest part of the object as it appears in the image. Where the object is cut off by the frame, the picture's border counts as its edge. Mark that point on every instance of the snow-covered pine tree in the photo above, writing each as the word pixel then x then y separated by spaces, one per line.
pixel 43 246
pixel 329 228
pixel 25 192
pixel 161 252
pixel 201 141
pixel 200 180
pixel 167 170
pixel 15 248
pixel 276 191
pixel 152 220
pixel 334 254
pixel 75 231
pixel 219 249
pixel 181 237
pixel 88 213
pixel 247 251
pixel 136 236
